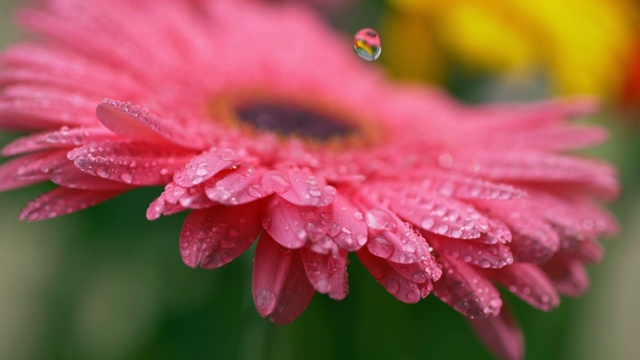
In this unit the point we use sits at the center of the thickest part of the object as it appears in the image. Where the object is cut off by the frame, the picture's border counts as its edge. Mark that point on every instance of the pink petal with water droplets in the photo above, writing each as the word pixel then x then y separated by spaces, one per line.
pixel 599 177
pixel 62 138
pixel 348 228
pixel 529 283
pixel 292 226
pixel 419 272
pixel 134 163
pixel 68 175
pixel 136 122
pixel 56 68
pixel 501 334
pixel 551 137
pixel 392 239
pixel 327 273
pixel 41 164
pixel 534 240
pixel 62 201
pixel 300 187
pixel 190 198
pixel 440 215
pixel 205 166
pixel 240 186
pixel 482 255
pixel 9 172
pixel 30 115
pixel 156 208
pixel 160 207
pixel 464 187
pixel 125 119
pixel 466 290
pixel 396 284
pixel 281 290
pixel 568 275
pixel 214 237
pixel 588 251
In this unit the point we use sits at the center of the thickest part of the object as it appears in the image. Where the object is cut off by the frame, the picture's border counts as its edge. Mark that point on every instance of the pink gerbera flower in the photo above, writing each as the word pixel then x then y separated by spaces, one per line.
pixel 266 127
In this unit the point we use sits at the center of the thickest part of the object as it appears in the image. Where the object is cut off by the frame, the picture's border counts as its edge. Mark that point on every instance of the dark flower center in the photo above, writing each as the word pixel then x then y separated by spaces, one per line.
pixel 293 120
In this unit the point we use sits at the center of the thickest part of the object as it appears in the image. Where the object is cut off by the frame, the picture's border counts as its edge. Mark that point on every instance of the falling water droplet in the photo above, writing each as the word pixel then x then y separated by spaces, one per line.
pixel 366 43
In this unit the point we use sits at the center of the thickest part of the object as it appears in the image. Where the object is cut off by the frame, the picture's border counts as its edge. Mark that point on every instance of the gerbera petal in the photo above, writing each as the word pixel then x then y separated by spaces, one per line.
pixel 464 187
pixel 281 290
pixel 125 119
pixel 541 167
pixel 68 175
pixel 529 283
pixel 567 275
pixel 405 290
pixel 41 164
pixel 445 216
pixel 29 114
pixel 205 166
pixel 474 253
pixel 501 334
pixel 63 138
pixel 327 273
pixel 57 68
pixel 193 197
pixel 419 272
pixel 392 239
pixel 10 170
pixel 215 236
pixel 137 122
pixel 292 226
pixel 62 201
pixel 160 207
pixel 348 229
pixel 466 290
pixel 129 162
pixel 589 251
pixel 306 189
pixel 238 187
pixel 533 239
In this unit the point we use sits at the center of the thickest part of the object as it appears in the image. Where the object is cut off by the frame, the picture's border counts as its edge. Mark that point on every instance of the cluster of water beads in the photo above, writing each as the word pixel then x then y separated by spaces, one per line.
pixel 366 43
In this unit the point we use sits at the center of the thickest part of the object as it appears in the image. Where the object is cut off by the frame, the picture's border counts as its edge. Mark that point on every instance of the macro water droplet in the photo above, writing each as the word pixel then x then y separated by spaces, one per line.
pixel 366 43
pixel 266 302
pixel 392 286
pixel 379 219
pixel 256 191
pixel 126 177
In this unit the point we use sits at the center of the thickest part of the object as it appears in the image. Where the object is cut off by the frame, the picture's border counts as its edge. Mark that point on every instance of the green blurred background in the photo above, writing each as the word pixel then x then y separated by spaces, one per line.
pixel 106 283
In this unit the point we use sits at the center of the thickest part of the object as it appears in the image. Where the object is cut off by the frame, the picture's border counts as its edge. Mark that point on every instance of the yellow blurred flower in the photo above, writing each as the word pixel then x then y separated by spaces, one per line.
pixel 582 44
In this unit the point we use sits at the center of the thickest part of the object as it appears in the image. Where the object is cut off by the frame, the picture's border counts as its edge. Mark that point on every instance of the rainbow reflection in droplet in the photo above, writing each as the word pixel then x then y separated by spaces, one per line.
pixel 366 43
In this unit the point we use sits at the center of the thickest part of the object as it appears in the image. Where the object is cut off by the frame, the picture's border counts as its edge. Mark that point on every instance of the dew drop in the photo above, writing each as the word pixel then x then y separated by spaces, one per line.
pixel 201 172
pixel 102 172
pixel 392 286
pixel 427 223
pixel 379 219
pixel 126 177
pixel 266 302
pixel 256 191
pixel 366 43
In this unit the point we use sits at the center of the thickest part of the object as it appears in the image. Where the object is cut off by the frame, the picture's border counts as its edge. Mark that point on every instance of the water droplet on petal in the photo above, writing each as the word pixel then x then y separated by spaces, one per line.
pixel 392 286
pixel 266 302
pixel 102 172
pixel 256 191
pixel 379 219
pixel 201 172
pixel 366 43
pixel 126 177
